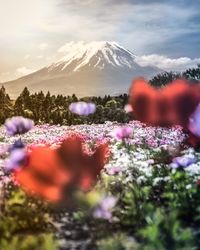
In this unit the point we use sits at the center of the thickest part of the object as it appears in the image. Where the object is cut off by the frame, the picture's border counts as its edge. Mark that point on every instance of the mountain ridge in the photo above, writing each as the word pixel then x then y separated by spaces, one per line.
pixel 95 68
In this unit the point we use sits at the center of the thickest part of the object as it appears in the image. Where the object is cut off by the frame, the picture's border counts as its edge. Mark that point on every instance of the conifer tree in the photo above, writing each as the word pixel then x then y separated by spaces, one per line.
pixel 6 107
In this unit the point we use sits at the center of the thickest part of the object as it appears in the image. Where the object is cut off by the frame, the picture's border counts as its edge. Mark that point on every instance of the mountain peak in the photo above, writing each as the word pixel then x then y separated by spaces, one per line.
pixel 94 45
pixel 86 69
pixel 96 54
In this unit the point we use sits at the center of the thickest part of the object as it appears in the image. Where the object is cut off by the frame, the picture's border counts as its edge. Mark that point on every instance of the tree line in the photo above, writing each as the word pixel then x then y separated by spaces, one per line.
pixel 192 74
pixel 54 109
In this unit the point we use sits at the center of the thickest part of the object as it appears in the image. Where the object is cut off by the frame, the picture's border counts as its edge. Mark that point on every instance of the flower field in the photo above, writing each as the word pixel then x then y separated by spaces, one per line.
pixel 146 197
pixel 154 138
pixel 110 186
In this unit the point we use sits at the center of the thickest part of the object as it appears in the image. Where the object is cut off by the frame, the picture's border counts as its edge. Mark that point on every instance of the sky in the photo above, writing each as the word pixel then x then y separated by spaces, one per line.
pixel 165 33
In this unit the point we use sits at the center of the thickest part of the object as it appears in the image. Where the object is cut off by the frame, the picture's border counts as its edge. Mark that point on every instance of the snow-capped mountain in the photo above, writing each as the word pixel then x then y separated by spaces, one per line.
pixel 87 69
pixel 94 54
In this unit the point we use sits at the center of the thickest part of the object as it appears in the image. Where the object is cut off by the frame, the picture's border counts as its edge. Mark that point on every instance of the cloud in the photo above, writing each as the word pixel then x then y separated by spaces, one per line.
pixel 24 71
pixel 40 57
pixel 12 75
pixel 43 46
pixel 22 18
pixel 4 76
pixel 27 56
pixel 166 63
pixel 143 26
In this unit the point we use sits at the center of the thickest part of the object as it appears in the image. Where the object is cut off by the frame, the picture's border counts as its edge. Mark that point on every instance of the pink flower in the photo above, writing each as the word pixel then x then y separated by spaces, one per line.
pixel 128 108
pixel 113 170
pixel 122 133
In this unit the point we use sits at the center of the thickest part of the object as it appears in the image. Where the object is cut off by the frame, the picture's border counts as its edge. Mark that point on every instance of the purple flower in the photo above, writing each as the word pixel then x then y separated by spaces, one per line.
pixel 194 122
pixel 18 144
pixel 104 210
pixel 113 170
pixel 122 133
pixel 183 161
pixel 17 158
pixel 18 125
pixel 82 108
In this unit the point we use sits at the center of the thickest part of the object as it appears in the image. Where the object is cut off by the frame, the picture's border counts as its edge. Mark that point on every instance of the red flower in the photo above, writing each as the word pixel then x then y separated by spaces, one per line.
pixel 171 105
pixel 44 175
pixel 83 167
pixel 50 172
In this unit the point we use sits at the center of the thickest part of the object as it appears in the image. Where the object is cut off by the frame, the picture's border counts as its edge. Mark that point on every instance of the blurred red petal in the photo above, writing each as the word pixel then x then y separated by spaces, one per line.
pixel 35 187
pixel 142 100
pixel 172 105
pixel 45 161
pixel 49 172
pixel 84 168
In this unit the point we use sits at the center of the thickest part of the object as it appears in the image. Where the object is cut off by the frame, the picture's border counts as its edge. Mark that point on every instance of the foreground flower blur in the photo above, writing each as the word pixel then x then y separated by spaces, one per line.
pixel 18 125
pixel 82 108
pixel 140 178
pixel 83 167
pixel 44 175
pixel 17 158
pixel 18 144
pixel 183 161
pixel 171 105
pixel 194 122
pixel 104 209
pixel 49 173
pixel 128 108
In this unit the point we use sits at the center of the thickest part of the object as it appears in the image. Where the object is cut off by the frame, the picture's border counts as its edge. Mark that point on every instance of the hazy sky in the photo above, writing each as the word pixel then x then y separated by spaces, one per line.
pixel 166 33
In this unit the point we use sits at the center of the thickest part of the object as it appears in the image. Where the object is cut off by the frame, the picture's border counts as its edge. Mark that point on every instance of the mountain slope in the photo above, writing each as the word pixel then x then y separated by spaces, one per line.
pixel 95 68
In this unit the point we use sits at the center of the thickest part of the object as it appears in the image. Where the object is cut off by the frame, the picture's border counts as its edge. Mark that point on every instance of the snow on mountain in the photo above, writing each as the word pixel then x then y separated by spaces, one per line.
pixel 105 53
pixel 95 68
